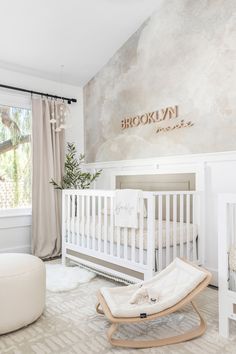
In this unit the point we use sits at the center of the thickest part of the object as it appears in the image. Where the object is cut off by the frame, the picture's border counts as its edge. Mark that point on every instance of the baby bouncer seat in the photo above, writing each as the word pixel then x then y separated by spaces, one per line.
pixel 167 292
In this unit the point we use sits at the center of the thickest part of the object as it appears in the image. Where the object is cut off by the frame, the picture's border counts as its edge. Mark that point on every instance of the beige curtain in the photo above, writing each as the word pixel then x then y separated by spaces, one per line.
pixel 48 162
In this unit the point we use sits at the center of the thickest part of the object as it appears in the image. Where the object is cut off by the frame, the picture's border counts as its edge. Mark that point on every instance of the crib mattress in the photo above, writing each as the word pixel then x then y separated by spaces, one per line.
pixel 119 233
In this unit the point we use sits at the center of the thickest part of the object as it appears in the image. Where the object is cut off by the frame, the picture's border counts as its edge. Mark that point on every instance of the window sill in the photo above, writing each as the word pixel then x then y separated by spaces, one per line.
pixel 15 212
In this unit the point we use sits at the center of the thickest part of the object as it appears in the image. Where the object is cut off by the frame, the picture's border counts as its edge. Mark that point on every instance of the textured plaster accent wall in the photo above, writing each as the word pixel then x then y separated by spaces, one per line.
pixel 184 55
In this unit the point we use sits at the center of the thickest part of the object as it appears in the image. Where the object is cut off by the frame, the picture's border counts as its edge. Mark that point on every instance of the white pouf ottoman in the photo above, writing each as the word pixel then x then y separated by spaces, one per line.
pixel 22 290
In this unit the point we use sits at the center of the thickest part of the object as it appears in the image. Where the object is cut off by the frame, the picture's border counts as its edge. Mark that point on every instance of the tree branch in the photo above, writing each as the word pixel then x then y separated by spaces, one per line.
pixel 8 146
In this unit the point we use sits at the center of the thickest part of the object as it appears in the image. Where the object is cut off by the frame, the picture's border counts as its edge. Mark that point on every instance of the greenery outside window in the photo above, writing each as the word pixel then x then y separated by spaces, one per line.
pixel 15 157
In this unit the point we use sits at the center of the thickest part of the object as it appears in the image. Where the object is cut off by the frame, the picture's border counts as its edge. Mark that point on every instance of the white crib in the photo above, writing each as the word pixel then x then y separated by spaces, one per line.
pixel 227 276
pixel 170 225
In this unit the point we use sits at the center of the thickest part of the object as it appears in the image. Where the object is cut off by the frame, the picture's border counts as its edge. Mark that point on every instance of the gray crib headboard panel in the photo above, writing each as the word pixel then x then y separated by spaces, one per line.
pixel 159 182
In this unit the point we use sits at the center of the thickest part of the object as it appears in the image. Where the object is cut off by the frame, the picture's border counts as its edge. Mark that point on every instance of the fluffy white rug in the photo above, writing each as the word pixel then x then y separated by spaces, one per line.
pixel 61 278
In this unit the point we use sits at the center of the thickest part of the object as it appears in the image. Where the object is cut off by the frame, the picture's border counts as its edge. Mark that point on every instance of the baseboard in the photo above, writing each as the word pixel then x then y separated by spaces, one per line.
pixel 214 273
pixel 18 249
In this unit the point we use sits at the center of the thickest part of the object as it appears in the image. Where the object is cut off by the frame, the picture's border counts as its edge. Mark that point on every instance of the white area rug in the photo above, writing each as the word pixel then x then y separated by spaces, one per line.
pixel 61 278
pixel 70 325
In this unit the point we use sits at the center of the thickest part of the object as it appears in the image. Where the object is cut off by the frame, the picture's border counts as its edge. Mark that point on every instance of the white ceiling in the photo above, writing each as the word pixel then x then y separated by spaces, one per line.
pixel 38 36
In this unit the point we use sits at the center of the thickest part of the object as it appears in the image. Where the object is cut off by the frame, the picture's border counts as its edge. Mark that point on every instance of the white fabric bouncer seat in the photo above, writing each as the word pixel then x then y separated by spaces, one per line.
pixel 173 284
pixel 22 290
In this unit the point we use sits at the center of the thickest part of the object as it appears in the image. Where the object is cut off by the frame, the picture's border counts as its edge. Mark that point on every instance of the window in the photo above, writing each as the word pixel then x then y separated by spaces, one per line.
pixel 15 157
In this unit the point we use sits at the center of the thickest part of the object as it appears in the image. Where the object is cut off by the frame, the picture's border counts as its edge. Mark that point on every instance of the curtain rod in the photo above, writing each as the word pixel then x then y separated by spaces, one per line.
pixel 69 100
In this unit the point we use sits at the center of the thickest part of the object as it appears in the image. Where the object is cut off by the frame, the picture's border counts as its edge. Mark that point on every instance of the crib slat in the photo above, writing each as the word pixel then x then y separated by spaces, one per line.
pixel 118 241
pixel 99 222
pixel 77 219
pixel 68 219
pixel 188 224
pixel 73 219
pixel 82 220
pixel 181 217
pixel 194 227
pixel 234 226
pixel 105 225
pixel 133 236
pixel 93 220
pixel 141 231
pixel 174 226
pixel 125 243
pixel 88 220
pixel 231 224
pixel 79 201
pixel 111 226
pixel 159 232
pixel 167 229
pixel 63 230
pixel 151 246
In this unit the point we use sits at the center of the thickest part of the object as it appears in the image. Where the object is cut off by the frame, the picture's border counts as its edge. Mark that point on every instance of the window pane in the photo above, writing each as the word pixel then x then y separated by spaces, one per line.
pixel 15 157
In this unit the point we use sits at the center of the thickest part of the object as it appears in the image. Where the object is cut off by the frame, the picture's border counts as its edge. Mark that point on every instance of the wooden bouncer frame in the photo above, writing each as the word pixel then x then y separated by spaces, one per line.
pixel 116 321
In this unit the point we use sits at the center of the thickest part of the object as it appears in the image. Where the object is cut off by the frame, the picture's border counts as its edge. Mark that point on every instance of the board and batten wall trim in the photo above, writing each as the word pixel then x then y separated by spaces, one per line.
pixel 15 233
pixel 164 160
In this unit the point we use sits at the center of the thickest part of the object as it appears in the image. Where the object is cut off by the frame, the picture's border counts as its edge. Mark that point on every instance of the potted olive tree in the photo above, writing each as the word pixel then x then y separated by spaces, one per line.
pixel 75 177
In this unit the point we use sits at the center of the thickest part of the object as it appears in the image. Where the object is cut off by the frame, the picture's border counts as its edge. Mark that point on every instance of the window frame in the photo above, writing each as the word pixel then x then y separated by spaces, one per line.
pixel 13 212
pixel 18 100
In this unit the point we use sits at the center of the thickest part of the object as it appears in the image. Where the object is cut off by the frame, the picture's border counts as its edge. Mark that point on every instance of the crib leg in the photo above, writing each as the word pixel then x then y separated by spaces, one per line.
pixel 149 274
pixel 224 326
pixel 64 260
pixel 225 307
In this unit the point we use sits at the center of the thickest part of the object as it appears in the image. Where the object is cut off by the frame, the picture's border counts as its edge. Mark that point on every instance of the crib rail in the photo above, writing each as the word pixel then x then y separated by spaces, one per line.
pixel 226 260
pixel 227 240
pixel 169 226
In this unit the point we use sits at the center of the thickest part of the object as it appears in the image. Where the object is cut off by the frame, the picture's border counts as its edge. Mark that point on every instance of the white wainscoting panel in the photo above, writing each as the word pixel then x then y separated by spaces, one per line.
pixel 15 233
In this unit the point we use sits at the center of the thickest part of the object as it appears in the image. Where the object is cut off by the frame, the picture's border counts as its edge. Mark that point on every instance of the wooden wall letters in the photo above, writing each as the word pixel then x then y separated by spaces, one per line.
pixel 164 114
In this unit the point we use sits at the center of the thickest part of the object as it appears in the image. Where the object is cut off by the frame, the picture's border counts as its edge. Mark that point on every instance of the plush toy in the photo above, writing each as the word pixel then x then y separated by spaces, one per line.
pixel 145 294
